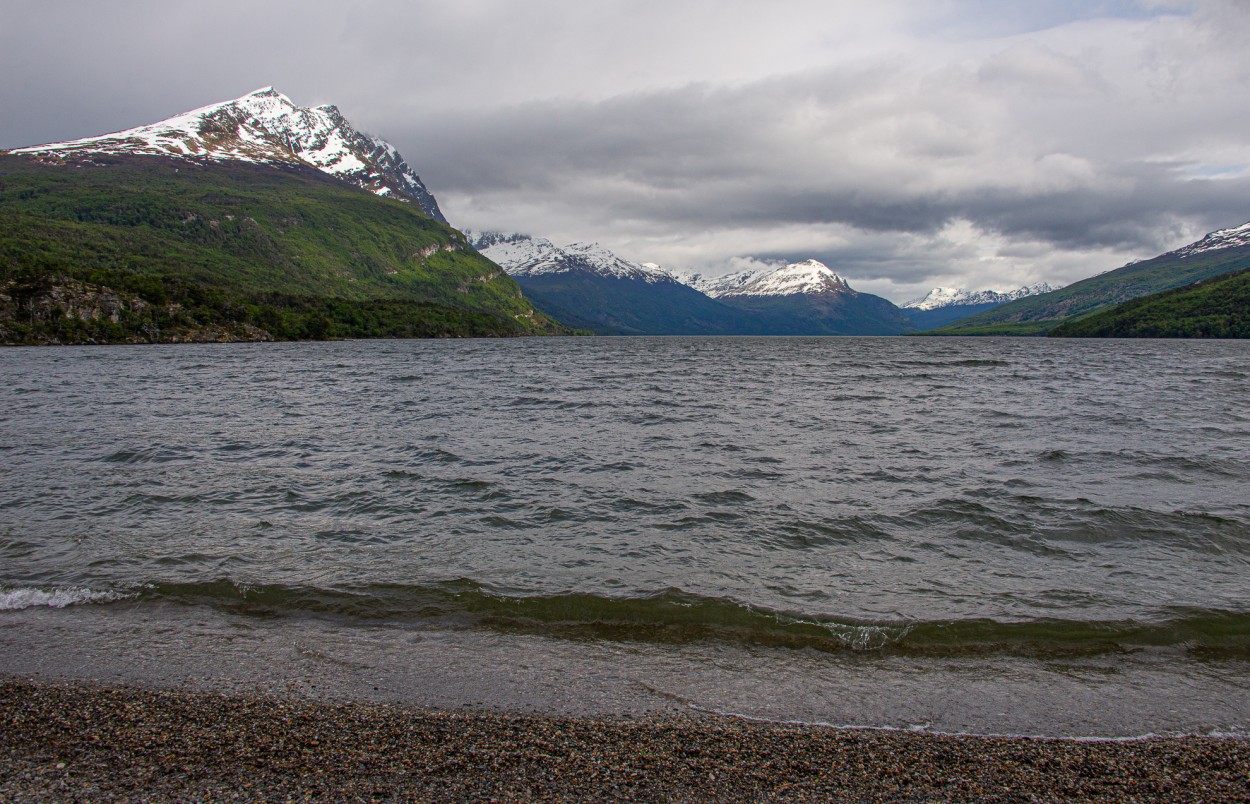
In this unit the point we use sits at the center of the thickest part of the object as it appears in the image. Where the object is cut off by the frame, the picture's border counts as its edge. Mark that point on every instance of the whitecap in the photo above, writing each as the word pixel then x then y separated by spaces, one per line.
pixel 25 598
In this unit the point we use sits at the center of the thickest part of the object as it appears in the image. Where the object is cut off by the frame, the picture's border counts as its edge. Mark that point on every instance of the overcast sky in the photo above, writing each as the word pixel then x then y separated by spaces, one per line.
pixel 905 143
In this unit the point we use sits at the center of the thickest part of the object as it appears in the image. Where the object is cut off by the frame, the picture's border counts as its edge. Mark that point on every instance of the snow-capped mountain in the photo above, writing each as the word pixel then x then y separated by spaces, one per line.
pixel 942 306
pixel 953 297
pixel 809 276
pixel 797 278
pixel 1223 238
pixel 802 298
pixel 522 255
pixel 265 127
pixel 587 286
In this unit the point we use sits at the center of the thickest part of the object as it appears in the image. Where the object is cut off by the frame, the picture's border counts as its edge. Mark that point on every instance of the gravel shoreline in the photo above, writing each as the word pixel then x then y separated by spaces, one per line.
pixel 80 742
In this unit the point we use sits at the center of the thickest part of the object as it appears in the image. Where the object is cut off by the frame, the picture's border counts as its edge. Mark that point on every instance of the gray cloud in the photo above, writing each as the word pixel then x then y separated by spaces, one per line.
pixel 907 145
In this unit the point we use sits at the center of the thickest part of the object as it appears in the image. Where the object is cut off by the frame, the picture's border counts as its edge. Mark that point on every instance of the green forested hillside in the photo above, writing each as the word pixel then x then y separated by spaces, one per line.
pixel 1037 315
pixel 1212 308
pixel 144 249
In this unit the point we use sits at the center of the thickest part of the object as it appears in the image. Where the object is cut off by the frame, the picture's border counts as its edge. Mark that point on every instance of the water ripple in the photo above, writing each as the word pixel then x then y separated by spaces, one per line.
pixel 852 481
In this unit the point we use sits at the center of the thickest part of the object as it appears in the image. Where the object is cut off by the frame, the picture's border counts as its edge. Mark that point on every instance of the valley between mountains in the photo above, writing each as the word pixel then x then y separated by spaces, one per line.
pixel 257 219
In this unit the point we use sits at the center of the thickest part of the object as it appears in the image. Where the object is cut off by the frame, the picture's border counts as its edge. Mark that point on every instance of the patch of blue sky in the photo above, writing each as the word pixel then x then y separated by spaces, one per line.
pixel 993 18
pixel 1215 171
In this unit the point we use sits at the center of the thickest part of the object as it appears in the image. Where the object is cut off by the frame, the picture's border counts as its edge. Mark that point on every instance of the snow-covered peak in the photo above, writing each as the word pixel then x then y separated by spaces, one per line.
pixel 605 262
pixel 265 126
pixel 797 278
pixel 956 297
pixel 1224 238
pixel 518 254
pixel 522 255
pixel 938 297
pixel 716 286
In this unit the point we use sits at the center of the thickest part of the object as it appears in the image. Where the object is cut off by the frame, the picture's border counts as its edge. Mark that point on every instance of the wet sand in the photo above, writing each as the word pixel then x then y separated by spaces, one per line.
pixel 68 741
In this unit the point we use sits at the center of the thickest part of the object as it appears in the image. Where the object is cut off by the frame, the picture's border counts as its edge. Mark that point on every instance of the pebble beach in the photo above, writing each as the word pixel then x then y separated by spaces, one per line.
pixel 81 742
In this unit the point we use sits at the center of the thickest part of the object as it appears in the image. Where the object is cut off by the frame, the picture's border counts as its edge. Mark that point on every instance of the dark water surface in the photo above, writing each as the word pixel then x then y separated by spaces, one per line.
pixel 1049 519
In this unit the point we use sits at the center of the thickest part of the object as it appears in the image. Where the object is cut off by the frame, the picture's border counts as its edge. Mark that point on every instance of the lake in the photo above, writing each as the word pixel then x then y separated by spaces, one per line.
pixel 1017 536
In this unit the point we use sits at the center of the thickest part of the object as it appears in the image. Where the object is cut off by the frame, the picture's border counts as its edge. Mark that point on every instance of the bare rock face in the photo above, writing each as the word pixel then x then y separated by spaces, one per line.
pixel 64 310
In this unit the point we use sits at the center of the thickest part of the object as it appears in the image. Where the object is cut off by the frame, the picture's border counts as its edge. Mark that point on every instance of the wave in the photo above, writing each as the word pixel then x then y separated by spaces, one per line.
pixel 673 616
pixel 153 454
pixel 25 598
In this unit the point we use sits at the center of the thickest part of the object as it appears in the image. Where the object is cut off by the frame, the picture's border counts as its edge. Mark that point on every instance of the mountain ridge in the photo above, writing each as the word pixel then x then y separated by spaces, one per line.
pixel 940 297
pixel 524 255
pixel 587 286
pixel 807 277
pixel 263 126
pixel 1218 307
pixel 1219 252
pixel 809 298
pixel 942 306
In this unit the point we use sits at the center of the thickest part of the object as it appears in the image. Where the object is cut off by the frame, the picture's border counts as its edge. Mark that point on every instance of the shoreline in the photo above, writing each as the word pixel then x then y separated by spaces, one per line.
pixel 161 647
pixel 75 740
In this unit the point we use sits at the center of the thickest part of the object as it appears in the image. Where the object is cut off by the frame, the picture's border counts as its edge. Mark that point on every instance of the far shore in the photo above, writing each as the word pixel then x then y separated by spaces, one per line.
pixel 75 741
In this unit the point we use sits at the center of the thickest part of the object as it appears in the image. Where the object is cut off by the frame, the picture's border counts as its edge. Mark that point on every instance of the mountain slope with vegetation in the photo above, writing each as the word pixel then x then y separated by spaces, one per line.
pixel 126 248
pixel 1211 308
pixel 1218 253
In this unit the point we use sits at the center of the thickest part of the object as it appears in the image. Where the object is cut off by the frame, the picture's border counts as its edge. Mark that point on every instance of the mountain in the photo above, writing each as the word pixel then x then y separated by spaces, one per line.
pixel 264 127
pixel 942 306
pixel 1219 252
pixel 957 297
pixel 716 286
pixel 1218 307
pixel 807 298
pixel 587 286
pixel 247 220
pixel 522 255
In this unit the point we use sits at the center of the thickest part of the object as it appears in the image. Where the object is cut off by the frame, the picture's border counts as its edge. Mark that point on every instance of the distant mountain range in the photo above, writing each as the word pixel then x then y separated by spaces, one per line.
pixel 587 286
pixel 939 298
pixel 251 219
pixel 939 306
pixel 942 306
pixel 599 291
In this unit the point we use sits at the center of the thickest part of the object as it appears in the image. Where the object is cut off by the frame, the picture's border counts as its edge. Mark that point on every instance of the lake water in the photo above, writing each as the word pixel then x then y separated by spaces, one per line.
pixel 988 535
